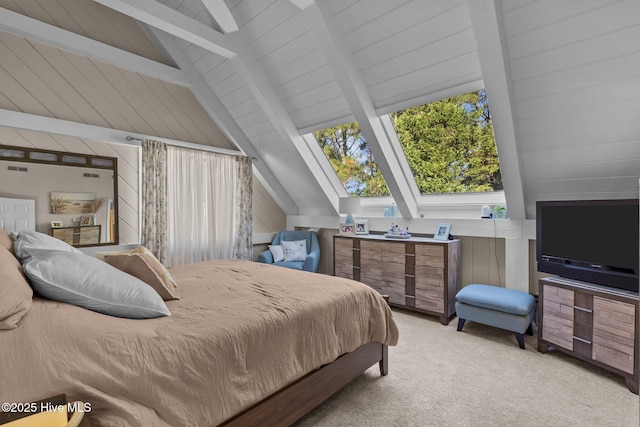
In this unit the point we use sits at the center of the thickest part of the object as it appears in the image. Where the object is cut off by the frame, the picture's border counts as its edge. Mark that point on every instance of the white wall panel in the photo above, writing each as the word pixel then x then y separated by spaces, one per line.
pixel 576 90
pixel 433 32
pixel 611 45
pixel 311 69
pixel 582 26
pixel 464 67
pixel 458 44
pixel 281 58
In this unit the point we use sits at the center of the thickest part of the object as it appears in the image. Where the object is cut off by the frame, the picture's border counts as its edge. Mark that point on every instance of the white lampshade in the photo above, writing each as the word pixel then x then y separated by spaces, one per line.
pixel 349 205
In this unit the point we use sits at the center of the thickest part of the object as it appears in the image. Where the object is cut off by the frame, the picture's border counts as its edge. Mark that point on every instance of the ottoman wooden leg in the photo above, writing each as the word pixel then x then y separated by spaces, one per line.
pixel 520 338
pixel 460 323
pixel 529 330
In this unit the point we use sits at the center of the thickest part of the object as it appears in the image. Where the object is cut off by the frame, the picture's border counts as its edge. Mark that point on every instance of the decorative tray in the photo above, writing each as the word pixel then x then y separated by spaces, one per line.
pixel 397 236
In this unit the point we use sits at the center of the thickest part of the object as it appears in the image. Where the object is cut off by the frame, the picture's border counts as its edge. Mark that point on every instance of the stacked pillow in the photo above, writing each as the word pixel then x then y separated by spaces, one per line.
pixel 61 272
pixel 141 263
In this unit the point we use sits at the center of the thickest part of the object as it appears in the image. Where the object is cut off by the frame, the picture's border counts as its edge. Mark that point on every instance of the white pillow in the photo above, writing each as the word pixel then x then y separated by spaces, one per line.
pixel 277 252
pixel 295 250
pixel 28 243
pixel 79 279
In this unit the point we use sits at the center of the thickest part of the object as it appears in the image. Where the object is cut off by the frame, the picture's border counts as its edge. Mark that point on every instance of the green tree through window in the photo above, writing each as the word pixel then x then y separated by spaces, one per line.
pixel 349 154
pixel 450 146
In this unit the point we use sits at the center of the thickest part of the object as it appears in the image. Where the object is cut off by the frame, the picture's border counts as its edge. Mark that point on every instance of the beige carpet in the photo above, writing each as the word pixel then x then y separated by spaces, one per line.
pixel 478 377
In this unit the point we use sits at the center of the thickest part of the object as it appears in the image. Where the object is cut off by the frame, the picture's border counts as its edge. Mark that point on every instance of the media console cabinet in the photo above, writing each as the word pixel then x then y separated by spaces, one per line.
pixel 591 322
pixel 419 274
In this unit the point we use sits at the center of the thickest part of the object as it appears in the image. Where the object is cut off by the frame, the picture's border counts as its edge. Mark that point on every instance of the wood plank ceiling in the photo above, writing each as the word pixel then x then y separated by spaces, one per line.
pixel 563 76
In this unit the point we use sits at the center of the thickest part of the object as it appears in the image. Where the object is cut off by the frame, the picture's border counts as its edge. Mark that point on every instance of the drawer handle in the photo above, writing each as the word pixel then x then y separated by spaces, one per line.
pixel 582 340
pixel 587 310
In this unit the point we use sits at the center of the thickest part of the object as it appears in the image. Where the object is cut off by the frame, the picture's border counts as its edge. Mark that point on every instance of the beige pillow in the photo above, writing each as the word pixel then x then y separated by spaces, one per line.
pixel 15 292
pixel 6 241
pixel 141 263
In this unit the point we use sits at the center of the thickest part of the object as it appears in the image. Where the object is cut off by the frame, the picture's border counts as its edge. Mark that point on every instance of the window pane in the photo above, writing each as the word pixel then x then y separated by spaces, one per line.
pixel 450 145
pixel 102 162
pixel 74 159
pixel 349 154
pixel 49 157
pixel 8 152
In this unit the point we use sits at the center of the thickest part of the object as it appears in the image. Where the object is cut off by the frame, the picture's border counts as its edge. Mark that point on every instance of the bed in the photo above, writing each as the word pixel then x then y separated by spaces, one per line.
pixel 246 344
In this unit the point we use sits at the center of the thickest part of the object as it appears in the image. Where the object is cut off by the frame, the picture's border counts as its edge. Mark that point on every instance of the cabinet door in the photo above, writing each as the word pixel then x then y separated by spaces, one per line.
pixel 430 277
pixel 382 266
pixel 89 235
pixel 613 333
pixel 392 275
pixel 64 234
pixel 371 263
pixel 558 316
pixel 343 257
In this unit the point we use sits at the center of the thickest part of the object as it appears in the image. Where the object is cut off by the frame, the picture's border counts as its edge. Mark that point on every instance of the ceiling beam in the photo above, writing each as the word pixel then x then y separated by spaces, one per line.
pixel 216 110
pixel 170 21
pixel 19 120
pixel 21 25
pixel 486 18
pixel 235 49
pixel 222 15
pixel 281 120
pixel 393 168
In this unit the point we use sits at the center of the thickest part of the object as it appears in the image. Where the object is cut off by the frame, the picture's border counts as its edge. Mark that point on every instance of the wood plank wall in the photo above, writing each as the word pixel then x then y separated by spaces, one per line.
pixel 267 215
pixel 43 80
pixel 90 19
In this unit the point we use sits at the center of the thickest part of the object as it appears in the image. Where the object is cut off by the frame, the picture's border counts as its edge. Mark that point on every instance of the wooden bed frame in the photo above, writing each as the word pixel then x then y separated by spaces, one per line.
pixel 286 406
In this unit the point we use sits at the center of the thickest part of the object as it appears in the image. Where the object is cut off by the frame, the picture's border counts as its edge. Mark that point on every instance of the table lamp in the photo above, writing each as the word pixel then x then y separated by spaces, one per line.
pixel 349 206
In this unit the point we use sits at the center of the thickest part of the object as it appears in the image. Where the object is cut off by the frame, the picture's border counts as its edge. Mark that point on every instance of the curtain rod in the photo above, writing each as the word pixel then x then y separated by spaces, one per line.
pixel 193 146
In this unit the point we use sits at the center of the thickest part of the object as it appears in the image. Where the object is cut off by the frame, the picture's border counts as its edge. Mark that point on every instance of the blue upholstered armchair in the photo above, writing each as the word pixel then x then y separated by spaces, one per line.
pixel 312 259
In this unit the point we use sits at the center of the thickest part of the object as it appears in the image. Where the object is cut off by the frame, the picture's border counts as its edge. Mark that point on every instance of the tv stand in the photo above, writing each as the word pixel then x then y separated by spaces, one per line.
pixel 591 322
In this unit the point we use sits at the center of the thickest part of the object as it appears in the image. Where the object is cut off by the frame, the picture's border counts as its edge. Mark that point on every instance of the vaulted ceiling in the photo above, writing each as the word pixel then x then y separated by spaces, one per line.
pixel 562 77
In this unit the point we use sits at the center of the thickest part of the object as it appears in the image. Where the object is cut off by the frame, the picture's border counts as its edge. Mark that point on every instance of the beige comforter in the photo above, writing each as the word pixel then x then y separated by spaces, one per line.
pixel 241 331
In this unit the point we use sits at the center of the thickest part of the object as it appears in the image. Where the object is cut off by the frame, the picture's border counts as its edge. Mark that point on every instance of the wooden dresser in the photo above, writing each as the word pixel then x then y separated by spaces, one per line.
pixel 592 322
pixel 418 274
pixel 87 235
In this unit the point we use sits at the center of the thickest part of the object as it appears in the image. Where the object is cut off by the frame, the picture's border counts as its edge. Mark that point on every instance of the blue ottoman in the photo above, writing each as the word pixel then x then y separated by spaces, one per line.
pixel 494 306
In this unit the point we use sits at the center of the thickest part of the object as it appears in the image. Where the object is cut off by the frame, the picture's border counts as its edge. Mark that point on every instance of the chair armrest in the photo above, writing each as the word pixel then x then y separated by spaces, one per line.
pixel 311 262
pixel 266 257
pixel 76 418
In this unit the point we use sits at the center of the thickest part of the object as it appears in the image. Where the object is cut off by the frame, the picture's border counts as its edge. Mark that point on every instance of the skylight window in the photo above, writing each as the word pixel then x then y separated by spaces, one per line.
pixel 352 160
pixel 449 145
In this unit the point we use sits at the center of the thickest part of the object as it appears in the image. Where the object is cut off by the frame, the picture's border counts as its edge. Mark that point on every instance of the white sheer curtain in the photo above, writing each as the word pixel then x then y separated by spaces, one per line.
pixel 201 200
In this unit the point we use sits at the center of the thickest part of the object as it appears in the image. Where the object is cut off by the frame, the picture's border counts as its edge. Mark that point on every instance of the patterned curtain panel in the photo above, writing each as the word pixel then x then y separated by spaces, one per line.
pixel 154 198
pixel 243 248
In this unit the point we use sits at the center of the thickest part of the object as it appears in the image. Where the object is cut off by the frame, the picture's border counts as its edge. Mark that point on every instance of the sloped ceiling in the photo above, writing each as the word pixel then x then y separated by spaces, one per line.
pixel 561 76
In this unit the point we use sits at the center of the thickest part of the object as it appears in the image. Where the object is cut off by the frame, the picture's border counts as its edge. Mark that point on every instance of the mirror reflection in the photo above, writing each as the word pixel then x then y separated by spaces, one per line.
pixel 75 194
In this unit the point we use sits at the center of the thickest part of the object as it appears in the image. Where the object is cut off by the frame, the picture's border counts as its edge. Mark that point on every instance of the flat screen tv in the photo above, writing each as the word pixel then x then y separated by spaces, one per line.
pixel 590 240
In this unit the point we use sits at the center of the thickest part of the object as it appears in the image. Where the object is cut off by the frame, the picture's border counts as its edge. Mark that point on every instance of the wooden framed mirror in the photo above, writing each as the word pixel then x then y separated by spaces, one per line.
pixel 76 195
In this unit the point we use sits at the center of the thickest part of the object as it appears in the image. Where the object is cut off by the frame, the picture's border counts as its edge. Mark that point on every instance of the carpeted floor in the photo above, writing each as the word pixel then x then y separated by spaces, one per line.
pixel 478 377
